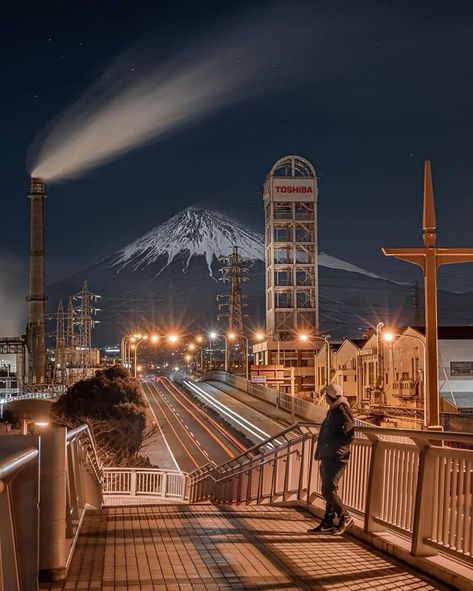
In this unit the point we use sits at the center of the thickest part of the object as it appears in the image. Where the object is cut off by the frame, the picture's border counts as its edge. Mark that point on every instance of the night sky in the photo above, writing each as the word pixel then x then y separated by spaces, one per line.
pixel 381 87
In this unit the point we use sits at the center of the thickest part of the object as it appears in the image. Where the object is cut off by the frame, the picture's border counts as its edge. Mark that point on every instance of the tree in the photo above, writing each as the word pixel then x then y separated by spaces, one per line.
pixel 113 406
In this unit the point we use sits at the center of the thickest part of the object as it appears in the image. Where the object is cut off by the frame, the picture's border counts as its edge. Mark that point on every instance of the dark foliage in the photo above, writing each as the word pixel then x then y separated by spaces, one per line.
pixel 112 404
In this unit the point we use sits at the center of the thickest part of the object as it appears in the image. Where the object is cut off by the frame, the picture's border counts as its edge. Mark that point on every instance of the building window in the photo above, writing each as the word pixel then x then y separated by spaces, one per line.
pixel 461 368
pixel 282 235
pixel 283 256
pixel 283 211
pixel 303 299
pixel 345 378
pixel 283 299
pixel 283 278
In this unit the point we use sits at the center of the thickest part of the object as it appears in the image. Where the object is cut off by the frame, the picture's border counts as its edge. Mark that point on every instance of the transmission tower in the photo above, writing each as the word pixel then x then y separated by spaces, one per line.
pixel 70 332
pixel 85 312
pixel 231 304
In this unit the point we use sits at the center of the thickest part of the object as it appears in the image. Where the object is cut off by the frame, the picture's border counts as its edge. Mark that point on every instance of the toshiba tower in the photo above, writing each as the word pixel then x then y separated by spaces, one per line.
pixel 291 257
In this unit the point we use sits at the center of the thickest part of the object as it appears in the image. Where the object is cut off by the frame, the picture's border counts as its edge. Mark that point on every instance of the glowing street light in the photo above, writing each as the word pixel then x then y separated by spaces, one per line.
pixel 199 338
pixel 154 338
pixel 261 336
pixel 173 338
pixel 192 347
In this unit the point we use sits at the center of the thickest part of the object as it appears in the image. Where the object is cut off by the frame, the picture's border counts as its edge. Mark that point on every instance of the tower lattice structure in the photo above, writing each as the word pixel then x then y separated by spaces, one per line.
pixel 231 305
pixel 85 311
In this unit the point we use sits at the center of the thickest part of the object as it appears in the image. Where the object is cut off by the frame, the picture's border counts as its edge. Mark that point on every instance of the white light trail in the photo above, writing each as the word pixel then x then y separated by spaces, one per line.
pixel 230 413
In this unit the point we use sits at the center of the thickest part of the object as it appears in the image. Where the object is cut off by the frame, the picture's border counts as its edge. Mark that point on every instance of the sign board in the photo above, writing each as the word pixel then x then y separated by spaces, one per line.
pixel 258 379
pixel 294 189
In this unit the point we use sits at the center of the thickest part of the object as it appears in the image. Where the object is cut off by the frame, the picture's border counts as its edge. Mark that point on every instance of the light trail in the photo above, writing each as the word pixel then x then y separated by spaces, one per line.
pixel 179 439
pixel 159 426
pixel 219 442
pixel 230 413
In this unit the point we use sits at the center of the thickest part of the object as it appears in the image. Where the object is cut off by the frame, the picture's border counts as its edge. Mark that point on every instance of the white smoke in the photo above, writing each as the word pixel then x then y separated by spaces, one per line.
pixel 126 109
pixel 12 306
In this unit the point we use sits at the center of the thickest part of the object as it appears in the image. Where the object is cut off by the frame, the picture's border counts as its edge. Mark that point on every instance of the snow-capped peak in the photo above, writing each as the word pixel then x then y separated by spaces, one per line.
pixel 192 232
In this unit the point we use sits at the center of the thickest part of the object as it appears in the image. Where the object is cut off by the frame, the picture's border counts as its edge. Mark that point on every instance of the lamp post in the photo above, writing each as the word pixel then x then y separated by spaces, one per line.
pixel 212 337
pixel 138 342
pixel 260 336
pixel 325 338
pixel 124 344
pixel 232 337
pixel 389 337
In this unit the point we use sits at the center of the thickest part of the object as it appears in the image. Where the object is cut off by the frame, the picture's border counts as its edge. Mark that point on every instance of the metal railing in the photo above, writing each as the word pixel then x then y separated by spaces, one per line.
pixel 415 486
pixel 139 482
pixel 47 482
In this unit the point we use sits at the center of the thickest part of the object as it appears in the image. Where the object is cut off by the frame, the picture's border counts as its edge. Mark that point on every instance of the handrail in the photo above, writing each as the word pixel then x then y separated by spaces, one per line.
pixel 269 440
pixel 76 433
pixel 13 462
pixel 419 434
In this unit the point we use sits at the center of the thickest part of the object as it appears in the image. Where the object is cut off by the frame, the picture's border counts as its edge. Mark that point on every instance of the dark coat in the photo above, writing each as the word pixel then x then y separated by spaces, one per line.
pixel 336 434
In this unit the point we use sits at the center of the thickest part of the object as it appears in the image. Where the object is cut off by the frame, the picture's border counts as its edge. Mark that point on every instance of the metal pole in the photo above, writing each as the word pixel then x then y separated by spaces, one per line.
pixel 247 356
pixel 226 354
pixel 293 395
pixel 53 501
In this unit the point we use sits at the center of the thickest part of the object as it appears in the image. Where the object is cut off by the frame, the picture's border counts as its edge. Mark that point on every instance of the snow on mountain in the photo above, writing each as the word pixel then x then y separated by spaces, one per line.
pixel 193 232
pixel 200 232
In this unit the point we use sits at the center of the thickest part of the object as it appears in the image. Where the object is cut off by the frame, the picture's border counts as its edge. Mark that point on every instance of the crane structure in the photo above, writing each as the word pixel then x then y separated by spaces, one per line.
pixel 231 306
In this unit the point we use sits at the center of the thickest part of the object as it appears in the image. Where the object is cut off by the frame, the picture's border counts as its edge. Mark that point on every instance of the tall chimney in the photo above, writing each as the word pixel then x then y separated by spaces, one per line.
pixel 36 331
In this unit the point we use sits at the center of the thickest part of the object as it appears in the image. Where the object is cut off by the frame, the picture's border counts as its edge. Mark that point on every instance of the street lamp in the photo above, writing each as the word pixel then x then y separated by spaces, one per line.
pixel 173 339
pixel 261 336
pixel 390 337
pixel 212 337
pixel 232 337
pixel 325 338
pixel 138 342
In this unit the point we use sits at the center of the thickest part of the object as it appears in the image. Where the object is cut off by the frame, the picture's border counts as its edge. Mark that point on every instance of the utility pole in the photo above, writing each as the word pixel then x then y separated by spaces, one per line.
pixel 429 258
pixel 231 305
pixel 85 313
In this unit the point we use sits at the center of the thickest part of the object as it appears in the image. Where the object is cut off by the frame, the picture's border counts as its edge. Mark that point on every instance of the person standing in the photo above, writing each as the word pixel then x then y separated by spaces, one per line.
pixel 333 450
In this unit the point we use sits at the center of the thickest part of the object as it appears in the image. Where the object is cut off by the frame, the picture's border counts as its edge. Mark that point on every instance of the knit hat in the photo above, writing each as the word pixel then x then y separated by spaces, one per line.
pixel 333 391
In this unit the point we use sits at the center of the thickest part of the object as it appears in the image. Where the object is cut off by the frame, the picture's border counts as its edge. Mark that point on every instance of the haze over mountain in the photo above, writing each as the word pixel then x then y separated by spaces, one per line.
pixel 168 278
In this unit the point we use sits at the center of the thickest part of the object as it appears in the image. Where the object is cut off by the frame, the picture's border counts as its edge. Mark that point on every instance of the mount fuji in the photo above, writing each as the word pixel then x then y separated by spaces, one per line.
pixel 168 278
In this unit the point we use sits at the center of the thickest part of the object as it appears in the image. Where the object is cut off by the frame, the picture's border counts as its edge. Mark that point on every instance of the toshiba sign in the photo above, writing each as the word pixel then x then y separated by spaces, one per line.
pixel 292 189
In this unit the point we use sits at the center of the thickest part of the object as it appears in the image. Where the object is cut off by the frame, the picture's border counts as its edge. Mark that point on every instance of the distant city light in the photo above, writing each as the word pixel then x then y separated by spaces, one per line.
pixel 304 338
pixel 154 338
pixel 212 335
pixel 173 338
pixel 260 336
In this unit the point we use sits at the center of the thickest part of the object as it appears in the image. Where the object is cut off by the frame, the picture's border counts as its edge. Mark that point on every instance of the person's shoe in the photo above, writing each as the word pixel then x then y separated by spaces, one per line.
pixel 345 523
pixel 322 528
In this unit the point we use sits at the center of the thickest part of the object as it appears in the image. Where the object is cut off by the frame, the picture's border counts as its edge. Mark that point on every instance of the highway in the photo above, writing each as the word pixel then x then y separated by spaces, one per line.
pixel 191 435
pixel 193 438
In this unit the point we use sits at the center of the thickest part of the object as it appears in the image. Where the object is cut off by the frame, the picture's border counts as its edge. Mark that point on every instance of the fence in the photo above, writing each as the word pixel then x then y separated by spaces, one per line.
pixel 47 482
pixel 415 486
pixel 135 482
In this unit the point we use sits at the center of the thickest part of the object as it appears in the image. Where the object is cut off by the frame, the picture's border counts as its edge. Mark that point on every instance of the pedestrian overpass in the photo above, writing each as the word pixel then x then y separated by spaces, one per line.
pixel 71 523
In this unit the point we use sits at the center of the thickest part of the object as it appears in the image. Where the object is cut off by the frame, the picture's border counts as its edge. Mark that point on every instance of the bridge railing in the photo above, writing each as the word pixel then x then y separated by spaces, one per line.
pixel 145 482
pixel 416 486
pixel 47 482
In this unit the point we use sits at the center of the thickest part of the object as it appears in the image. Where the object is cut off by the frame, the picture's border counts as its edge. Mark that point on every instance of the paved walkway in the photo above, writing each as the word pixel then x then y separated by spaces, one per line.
pixel 204 547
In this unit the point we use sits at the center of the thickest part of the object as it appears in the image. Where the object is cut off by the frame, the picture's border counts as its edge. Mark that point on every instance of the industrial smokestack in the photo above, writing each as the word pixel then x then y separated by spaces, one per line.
pixel 36 330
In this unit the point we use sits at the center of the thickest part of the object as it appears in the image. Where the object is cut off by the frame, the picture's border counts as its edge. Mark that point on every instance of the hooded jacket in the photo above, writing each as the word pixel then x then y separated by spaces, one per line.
pixel 336 433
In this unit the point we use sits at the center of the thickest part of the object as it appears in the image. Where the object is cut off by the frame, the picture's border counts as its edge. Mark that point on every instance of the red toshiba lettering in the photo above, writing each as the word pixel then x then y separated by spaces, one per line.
pixel 294 190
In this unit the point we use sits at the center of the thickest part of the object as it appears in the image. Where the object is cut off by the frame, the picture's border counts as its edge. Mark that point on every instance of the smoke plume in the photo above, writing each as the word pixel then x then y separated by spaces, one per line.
pixel 126 109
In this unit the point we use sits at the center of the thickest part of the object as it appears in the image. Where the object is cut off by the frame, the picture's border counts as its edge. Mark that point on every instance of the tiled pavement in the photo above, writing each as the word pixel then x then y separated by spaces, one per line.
pixel 204 547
